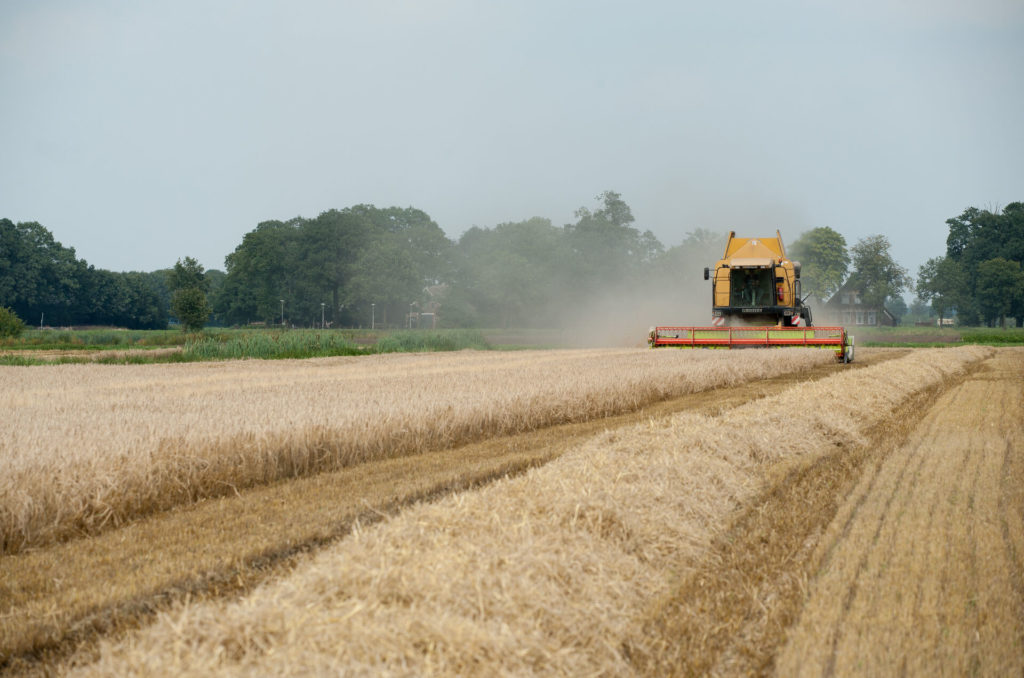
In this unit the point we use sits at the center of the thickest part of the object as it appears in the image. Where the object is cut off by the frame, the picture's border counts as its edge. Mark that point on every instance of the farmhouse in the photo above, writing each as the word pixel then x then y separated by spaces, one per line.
pixel 846 307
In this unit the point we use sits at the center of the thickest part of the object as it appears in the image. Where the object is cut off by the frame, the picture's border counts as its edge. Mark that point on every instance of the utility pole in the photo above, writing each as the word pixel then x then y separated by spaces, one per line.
pixel 282 313
pixel 321 315
pixel 373 315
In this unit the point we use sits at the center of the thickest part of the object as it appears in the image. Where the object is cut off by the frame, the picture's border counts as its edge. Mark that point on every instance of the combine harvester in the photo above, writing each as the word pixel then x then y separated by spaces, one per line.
pixel 756 302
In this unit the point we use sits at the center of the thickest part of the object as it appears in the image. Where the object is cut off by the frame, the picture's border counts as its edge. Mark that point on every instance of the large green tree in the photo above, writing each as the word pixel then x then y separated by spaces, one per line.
pixel 876 275
pixel 977 236
pixel 402 253
pixel 823 259
pixel 511 275
pixel 328 249
pixel 1000 288
pixel 941 281
pixel 188 301
pixel 606 250
pixel 262 270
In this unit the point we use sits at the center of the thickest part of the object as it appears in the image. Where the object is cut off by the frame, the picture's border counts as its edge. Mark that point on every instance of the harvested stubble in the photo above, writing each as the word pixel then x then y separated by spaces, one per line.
pixel 921 572
pixel 84 447
pixel 548 573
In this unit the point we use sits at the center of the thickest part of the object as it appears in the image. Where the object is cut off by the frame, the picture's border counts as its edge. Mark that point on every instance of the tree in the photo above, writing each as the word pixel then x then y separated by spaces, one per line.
pixel 876 275
pixel 10 323
pixel 606 249
pixel 146 307
pixel 823 259
pixel 186 274
pixel 962 230
pixel 402 251
pixel 328 248
pixel 261 271
pixel 977 236
pixel 1000 288
pixel 384 274
pixel 189 286
pixel 191 308
pixel 942 282
pixel 510 275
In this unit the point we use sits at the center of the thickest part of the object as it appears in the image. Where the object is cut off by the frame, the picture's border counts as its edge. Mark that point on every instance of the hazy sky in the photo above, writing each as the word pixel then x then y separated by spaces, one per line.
pixel 141 132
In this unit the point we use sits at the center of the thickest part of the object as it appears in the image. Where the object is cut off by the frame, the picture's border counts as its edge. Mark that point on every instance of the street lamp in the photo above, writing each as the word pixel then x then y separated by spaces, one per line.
pixel 282 313
pixel 321 315
pixel 373 315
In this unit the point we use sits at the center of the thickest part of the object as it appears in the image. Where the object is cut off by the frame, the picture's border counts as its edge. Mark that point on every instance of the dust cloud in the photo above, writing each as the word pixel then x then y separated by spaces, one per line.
pixel 623 317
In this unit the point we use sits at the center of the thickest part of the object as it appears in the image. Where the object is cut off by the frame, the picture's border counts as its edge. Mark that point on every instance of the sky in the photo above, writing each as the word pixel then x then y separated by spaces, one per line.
pixel 143 132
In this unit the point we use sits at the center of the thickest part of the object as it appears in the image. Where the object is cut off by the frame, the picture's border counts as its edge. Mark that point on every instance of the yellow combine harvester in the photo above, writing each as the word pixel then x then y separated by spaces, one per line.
pixel 756 301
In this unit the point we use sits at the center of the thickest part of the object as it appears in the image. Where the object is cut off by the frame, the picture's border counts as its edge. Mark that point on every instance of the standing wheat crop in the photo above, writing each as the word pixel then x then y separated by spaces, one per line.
pixel 85 447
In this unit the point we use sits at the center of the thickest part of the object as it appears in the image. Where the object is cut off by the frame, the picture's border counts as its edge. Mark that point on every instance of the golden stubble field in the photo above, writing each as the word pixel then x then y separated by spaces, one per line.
pixel 595 562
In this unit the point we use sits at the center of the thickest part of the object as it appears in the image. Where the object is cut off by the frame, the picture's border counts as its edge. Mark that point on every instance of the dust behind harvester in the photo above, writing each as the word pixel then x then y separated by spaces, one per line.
pixel 756 302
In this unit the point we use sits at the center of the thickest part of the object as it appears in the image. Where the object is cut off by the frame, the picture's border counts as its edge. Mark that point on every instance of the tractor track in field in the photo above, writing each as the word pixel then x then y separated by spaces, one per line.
pixel 68 596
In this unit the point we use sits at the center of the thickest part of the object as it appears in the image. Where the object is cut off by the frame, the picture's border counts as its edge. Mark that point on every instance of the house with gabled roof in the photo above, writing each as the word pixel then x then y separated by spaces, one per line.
pixel 847 308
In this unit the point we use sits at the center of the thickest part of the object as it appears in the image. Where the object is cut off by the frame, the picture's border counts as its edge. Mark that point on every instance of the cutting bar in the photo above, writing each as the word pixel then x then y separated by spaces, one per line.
pixel 834 338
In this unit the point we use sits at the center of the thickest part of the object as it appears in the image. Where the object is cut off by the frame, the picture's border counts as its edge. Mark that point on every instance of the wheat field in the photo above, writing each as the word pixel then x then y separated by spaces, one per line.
pixel 549 573
pixel 85 448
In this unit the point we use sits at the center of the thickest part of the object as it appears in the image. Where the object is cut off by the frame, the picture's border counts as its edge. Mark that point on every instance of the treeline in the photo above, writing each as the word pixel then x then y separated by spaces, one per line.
pixel 363 264
pixel 360 265
pixel 376 265
pixel 44 282
pixel 980 277
pixel 344 259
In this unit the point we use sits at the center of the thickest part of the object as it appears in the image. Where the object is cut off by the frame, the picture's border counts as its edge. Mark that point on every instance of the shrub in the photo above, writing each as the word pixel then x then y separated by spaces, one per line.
pixel 10 323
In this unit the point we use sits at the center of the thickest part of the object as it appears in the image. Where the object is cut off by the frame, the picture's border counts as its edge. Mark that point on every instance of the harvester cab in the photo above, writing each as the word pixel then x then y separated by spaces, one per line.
pixel 754 283
pixel 756 301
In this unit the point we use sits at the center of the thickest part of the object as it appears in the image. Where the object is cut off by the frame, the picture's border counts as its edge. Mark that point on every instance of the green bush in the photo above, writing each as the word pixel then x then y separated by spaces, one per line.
pixel 10 324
